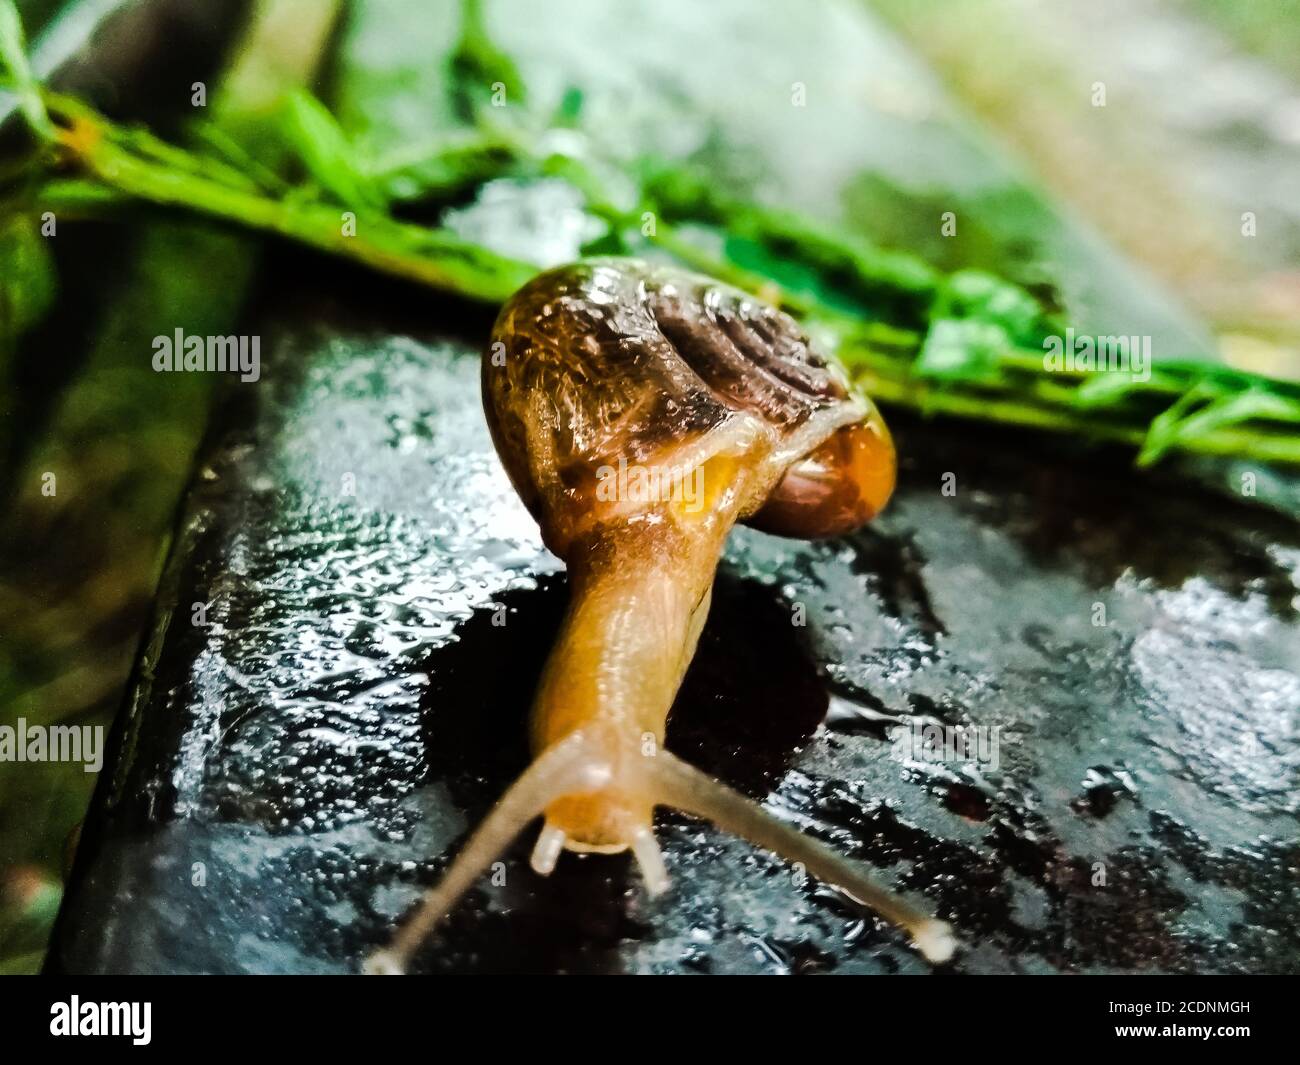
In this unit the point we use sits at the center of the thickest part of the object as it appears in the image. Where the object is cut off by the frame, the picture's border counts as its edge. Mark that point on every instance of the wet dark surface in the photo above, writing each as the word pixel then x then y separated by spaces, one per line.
pixel 378 605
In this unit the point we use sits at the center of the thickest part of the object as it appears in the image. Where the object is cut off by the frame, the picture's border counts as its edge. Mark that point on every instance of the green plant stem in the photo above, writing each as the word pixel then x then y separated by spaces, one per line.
pixel 887 382
pixel 133 164
pixel 432 257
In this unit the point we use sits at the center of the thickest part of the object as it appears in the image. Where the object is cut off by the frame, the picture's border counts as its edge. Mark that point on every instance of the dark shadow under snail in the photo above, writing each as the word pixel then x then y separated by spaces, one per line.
pixel 640 412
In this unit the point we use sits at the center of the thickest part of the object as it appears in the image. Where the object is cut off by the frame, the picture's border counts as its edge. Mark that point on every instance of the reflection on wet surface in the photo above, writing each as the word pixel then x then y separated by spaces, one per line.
pixel 379 605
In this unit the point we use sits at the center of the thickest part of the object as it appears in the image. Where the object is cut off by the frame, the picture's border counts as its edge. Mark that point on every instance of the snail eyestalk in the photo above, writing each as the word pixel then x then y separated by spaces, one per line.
pixel 687 789
pixel 640 413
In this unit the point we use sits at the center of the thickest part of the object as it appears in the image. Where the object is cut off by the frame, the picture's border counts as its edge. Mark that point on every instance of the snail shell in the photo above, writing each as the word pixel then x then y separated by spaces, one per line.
pixel 616 360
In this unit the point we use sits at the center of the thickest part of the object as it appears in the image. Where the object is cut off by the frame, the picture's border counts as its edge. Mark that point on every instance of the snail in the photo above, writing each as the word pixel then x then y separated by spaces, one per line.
pixel 640 412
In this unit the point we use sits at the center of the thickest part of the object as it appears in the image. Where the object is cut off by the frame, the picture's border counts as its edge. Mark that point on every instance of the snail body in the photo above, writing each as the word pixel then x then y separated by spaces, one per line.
pixel 640 412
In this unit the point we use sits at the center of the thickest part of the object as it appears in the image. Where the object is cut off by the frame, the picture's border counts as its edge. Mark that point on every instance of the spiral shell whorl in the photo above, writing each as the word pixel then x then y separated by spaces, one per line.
pixel 610 359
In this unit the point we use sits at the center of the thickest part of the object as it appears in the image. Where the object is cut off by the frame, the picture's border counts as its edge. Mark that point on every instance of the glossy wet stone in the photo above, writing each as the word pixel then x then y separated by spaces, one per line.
pixel 378 606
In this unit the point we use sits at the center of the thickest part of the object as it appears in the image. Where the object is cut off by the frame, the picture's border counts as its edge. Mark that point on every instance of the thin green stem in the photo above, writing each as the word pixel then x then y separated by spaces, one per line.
pixel 429 256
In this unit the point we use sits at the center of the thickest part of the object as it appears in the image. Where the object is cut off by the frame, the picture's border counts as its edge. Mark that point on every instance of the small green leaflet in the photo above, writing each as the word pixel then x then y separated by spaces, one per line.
pixel 1176 426
pixel 326 152
pixel 27 277
pixel 16 73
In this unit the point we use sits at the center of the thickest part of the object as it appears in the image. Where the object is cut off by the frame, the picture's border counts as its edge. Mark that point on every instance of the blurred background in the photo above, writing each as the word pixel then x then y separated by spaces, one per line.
pixel 1123 142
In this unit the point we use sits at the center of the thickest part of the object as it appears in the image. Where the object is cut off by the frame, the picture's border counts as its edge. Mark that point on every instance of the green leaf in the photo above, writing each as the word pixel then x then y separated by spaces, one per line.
pixel 570 109
pixel 1184 422
pixel 480 70
pixel 975 294
pixel 27 277
pixel 793 275
pixel 859 276
pixel 976 318
pixel 443 170
pixel 957 349
pixel 326 152
pixel 18 76
pixel 1100 390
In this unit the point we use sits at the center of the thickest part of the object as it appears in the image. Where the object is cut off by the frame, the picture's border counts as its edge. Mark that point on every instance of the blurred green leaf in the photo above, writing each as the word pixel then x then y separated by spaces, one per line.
pixel 958 349
pixel 326 152
pixel 27 276
pixel 443 170
pixel 792 275
pixel 1187 421
pixel 481 72
pixel 17 72
pixel 570 109
pixel 1107 389
pixel 973 294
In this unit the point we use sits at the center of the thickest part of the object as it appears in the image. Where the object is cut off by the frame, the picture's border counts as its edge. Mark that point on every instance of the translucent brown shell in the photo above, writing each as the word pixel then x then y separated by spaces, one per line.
pixel 615 359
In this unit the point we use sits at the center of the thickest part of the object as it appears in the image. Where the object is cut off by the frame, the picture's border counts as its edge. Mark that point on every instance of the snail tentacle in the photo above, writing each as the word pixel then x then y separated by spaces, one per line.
pixel 569 767
pixel 685 788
